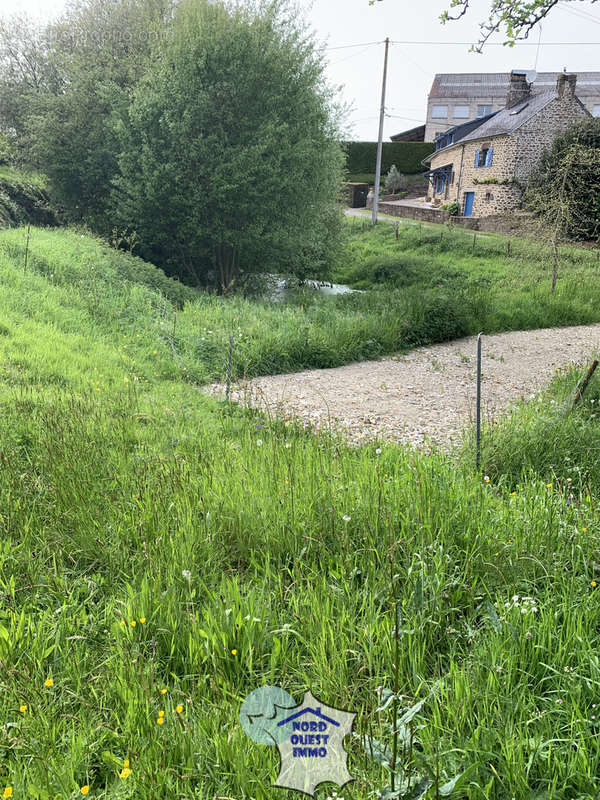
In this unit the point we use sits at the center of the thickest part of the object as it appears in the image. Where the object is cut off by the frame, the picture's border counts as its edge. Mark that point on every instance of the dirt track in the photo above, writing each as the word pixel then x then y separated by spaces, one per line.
pixel 427 394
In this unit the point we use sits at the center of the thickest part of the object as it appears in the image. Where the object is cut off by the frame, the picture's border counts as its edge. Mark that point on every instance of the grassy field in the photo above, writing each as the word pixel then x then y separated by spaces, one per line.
pixel 160 552
pixel 422 290
pixel 500 283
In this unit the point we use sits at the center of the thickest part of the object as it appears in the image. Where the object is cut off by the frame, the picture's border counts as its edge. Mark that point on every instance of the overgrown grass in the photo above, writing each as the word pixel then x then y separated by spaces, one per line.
pixel 423 293
pixel 248 552
pixel 23 199
pixel 507 281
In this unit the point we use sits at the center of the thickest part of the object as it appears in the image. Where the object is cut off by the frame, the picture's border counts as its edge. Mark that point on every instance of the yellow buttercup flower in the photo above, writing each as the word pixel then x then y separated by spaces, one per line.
pixel 163 691
pixel 48 683
pixel 593 584
pixel 142 620
pixel 7 792
pixel 161 713
pixel 23 708
pixel 126 762
pixel 85 789
pixel 133 623
pixel 548 486
pixel 234 652
pixel 123 622
pixel 161 720
pixel 125 773
pixel 179 709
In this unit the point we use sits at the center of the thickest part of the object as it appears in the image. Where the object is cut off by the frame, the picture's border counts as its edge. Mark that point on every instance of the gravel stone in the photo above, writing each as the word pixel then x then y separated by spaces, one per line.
pixel 426 396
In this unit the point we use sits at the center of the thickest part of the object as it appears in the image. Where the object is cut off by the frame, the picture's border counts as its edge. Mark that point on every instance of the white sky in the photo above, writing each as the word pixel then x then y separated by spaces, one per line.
pixel 358 70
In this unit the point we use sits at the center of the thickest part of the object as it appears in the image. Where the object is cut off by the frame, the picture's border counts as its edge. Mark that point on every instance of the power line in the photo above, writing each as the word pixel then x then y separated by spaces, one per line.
pixel 502 44
pixel 348 46
pixel 352 55
pixel 580 12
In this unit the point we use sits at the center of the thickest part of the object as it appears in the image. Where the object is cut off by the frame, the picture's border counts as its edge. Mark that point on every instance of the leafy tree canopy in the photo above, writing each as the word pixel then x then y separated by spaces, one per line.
pixel 229 157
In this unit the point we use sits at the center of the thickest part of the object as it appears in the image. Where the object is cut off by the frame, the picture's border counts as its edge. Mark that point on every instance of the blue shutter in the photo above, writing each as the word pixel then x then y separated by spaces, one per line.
pixel 490 154
pixel 477 158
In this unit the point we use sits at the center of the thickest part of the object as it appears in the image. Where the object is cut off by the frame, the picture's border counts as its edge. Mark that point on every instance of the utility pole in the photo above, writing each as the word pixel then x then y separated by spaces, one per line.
pixel 380 140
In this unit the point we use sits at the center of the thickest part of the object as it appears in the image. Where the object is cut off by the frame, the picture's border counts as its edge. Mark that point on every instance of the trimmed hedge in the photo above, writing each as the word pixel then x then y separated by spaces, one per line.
pixel 407 156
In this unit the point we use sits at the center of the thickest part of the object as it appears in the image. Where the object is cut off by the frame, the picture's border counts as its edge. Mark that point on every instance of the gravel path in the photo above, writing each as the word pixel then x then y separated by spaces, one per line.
pixel 425 395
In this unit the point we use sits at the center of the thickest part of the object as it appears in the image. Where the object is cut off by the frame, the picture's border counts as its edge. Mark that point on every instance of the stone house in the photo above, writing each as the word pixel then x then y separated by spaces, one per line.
pixel 455 98
pixel 483 164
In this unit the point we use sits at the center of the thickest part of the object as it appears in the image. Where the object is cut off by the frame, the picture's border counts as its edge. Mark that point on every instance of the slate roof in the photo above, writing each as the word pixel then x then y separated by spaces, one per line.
pixel 495 84
pixel 508 120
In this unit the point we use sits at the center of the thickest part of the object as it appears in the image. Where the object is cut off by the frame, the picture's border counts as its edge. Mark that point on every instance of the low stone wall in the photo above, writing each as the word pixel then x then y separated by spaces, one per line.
pixel 518 224
pixel 414 212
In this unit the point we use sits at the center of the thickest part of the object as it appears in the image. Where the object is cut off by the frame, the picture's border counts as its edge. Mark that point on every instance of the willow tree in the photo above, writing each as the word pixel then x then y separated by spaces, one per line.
pixel 230 159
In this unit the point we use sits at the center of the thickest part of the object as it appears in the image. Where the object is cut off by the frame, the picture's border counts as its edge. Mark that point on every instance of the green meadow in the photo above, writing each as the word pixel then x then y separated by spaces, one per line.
pixel 163 554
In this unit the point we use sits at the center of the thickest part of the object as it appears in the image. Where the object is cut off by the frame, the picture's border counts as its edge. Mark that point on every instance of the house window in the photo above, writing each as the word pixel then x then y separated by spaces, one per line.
pixel 483 157
pixel 461 112
pixel 483 110
pixel 596 111
pixel 439 112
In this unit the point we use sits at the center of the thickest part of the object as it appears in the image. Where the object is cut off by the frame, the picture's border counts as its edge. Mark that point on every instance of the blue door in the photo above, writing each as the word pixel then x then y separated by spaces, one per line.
pixel 469 197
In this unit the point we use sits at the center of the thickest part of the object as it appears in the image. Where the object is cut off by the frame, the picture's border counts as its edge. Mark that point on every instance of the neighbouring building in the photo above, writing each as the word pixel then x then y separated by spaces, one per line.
pixel 458 98
pixel 482 164
pixel 413 135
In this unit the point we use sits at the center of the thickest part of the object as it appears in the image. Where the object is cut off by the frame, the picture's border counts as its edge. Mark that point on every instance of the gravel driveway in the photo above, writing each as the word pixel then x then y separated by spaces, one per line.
pixel 425 395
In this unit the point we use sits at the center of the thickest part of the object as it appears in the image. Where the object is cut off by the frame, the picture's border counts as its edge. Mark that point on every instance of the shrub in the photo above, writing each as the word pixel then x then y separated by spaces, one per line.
pixel 452 208
pixel 394 181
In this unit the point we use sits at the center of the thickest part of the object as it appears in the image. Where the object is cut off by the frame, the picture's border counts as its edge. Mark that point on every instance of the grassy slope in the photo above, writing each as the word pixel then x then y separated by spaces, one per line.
pixel 500 284
pixel 125 499
pixel 23 199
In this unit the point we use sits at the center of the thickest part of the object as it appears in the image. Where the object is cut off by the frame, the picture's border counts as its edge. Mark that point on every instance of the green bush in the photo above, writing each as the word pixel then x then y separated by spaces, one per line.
pixel 407 156
pixel 395 180
pixel 452 208
pixel 6 150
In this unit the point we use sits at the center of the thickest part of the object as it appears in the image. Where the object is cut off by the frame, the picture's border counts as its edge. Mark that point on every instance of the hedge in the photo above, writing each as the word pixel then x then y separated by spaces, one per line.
pixel 407 156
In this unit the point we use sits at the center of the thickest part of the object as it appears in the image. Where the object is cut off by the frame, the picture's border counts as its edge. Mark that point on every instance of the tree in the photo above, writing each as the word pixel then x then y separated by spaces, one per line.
pixel 514 18
pixel 564 190
pixel 230 161
pixel 61 87
pixel 394 181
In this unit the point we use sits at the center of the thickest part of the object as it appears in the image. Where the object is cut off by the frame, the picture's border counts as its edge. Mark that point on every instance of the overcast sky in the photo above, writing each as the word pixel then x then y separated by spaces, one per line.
pixel 357 71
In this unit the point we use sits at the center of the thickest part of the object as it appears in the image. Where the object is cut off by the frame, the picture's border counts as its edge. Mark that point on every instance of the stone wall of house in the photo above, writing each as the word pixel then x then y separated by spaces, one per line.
pixel 489 198
pixel 538 133
pixel 514 158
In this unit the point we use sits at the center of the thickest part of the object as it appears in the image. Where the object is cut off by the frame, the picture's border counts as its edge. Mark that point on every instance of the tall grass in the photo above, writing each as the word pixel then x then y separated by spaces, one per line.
pixel 250 552
pixel 435 291
pixel 507 280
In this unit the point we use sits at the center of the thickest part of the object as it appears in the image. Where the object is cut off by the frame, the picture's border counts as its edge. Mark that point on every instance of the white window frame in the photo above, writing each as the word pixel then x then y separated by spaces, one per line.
pixel 596 110
pixel 435 115
pixel 483 105
pixel 466 109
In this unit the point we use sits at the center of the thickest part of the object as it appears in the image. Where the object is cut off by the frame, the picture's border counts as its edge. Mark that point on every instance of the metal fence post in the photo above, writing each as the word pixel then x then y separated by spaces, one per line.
pixel 229 368
pixel 478 412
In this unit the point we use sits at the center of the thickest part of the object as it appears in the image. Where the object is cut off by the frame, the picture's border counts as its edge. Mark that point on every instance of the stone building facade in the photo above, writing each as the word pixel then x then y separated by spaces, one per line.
pixel 484 169
pixel 455 98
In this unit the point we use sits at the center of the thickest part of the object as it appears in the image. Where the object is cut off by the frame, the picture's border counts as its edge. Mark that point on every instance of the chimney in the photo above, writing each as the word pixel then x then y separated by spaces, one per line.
pixel 565 85
pixel 519 88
